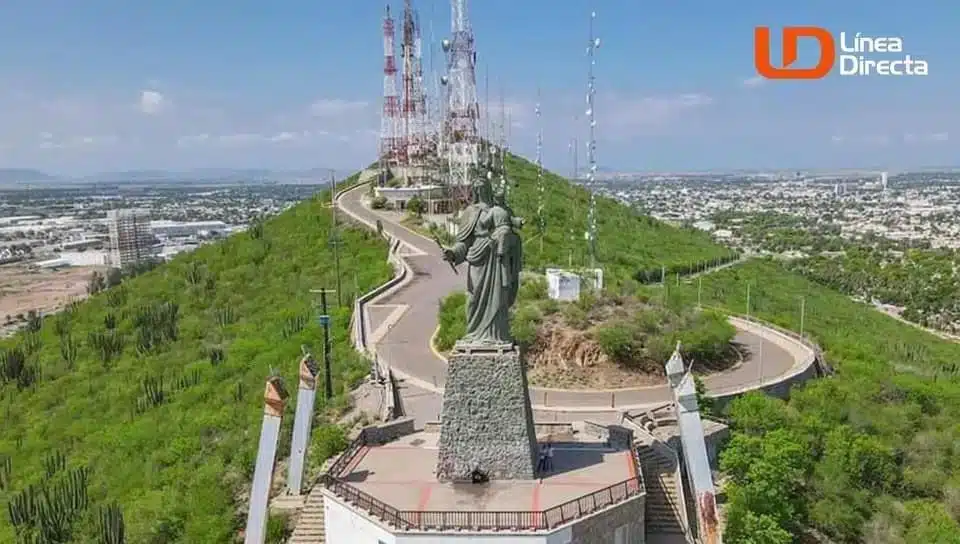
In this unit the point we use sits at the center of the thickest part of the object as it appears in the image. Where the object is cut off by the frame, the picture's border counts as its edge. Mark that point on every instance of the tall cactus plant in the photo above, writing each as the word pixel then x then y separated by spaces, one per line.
pixel 110 525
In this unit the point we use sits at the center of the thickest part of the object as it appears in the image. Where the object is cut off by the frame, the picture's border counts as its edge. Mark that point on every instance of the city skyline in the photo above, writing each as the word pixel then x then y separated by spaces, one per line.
pixel 182 86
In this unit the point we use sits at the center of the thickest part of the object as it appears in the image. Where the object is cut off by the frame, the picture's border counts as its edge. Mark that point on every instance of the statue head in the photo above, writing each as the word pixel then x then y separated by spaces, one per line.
pixel 482 189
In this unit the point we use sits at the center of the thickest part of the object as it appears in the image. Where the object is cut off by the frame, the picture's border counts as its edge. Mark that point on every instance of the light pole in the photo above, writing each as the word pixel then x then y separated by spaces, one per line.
pixel 335 236
pixel 803 312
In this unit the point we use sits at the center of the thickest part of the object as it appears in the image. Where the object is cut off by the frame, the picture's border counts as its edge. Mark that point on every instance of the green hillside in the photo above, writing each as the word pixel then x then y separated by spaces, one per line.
pixel 629 245
pixel 131 385
pixel 871 454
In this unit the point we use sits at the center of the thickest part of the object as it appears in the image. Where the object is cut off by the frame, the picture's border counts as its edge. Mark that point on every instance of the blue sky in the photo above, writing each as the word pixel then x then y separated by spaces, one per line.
pixel 99 85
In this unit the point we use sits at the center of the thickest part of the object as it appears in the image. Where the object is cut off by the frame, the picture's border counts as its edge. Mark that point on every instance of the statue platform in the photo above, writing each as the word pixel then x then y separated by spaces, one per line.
pixel 486 424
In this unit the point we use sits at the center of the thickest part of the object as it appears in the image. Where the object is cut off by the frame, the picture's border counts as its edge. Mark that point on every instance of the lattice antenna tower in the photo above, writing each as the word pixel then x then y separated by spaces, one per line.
pixel 390 115
pixel 592 145
pixel 502 149
pixel 541 189
pixel 412 102
pixel 463 111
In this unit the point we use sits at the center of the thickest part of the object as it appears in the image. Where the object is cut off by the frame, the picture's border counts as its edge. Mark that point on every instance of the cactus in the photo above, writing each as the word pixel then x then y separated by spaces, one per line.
pixel 256 229
pixel 110 525
pixel 216 356
pixel 61 324
pixel 68 350
pixel 47 512
pixel 188 380
pixel 226 316
pixel 238 392
pixel 34 321
pixel 153 394
pixel 294 324
pixel 31 342
pixel 6 468
pixel 116 297
pixel 108 344
pixel 54 463
pixel 15 368
pixel 157 325
pixel 195 273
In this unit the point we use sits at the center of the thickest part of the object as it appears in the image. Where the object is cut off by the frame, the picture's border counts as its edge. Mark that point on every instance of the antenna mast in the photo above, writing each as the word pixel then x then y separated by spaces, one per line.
pixel 541 190
pixel 592 147
pixel 463 111
pixel 389 117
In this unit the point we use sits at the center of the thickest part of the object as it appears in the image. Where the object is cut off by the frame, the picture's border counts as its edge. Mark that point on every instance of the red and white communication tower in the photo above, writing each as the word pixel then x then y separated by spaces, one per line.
pixel 413 103
pixel 392 152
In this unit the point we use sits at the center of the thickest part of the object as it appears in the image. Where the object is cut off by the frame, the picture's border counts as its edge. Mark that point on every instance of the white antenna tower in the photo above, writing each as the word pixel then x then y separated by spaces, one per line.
pixel 541 190
pixel 592 147
pixel 462 112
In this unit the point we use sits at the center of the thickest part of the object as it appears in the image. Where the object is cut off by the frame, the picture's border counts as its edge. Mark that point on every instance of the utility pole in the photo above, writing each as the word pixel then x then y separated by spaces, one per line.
pixel 335 238
pixel 699 292
pixel 803 312
pixel 761 360
pixel 324 319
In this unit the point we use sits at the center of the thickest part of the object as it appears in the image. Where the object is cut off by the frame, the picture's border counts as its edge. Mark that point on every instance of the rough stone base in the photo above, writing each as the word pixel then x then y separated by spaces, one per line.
pixel 486 423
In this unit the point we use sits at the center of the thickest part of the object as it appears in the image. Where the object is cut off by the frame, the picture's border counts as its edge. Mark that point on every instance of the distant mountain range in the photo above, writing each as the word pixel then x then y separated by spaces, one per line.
pixel 25 176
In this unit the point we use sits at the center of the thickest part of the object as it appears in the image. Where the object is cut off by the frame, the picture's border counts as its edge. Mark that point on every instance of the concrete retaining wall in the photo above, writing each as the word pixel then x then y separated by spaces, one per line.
pixel 360 320
pixel 804 368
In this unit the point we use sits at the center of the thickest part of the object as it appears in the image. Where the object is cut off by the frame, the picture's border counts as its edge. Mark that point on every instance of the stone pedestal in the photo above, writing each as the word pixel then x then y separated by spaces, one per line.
pixel 486 425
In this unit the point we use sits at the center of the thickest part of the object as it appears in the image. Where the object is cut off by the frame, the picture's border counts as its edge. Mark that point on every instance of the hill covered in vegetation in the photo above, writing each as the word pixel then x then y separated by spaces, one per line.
pixel 871 454
pixel 630 246
pixel 148 397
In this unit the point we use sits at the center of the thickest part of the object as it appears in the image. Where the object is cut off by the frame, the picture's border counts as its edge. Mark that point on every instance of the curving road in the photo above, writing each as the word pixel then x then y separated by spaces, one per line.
pixel 401 325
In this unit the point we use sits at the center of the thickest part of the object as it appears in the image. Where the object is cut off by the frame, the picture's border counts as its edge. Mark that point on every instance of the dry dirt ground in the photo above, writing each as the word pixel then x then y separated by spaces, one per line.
pixel 567 358
pixel 22 289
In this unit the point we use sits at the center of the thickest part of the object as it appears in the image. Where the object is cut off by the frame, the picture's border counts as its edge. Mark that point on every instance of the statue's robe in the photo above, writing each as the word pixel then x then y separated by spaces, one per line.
pixel 487 243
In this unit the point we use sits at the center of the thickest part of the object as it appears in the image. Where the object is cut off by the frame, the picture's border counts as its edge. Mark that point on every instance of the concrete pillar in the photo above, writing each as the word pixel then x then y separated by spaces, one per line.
pixel 302 423
pixel 274 399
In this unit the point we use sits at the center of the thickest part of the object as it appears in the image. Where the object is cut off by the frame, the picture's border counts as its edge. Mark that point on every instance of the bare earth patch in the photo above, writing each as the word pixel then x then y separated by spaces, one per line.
pixel 566 358
pixel 47 291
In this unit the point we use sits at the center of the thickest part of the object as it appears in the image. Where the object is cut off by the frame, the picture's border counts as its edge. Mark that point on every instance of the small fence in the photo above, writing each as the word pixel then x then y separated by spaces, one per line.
pixel 409 520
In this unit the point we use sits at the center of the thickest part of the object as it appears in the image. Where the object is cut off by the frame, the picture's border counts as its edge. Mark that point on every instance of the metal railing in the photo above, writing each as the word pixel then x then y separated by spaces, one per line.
pixel 340 465
pixel 440 520
pixel 474 520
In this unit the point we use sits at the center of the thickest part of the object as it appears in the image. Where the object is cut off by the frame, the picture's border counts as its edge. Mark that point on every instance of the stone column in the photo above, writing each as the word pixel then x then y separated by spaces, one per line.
pixel 274 399
pixel 486 423
pixel 302 423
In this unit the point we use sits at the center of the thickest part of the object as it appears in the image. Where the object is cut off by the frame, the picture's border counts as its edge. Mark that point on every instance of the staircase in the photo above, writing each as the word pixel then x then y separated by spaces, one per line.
pixel 310 526
pixel 663 502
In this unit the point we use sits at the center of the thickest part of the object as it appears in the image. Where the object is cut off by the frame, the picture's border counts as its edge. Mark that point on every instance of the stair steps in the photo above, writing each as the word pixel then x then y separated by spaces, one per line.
pixel 311 528
pixel 662 502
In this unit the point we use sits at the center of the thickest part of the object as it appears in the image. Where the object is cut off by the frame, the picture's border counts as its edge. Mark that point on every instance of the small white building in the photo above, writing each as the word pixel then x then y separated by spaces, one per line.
pixel 565 285
pixel 435 197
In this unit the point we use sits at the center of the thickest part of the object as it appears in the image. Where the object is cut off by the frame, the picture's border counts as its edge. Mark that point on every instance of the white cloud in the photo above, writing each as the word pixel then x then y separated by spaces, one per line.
pixel 861 139
pixel 331 107
pixel 934 137
pixel 754 81
pixel 48 140
pixel 240 139
pixel 152 102
pixel 626 113
pixel 880 140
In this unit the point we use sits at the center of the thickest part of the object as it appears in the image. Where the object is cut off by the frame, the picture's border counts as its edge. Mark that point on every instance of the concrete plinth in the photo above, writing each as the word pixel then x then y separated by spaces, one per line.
pixel 486 424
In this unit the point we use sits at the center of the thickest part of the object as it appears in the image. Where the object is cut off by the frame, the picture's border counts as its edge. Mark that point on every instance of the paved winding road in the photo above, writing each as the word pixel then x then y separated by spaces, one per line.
pixel 402 324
